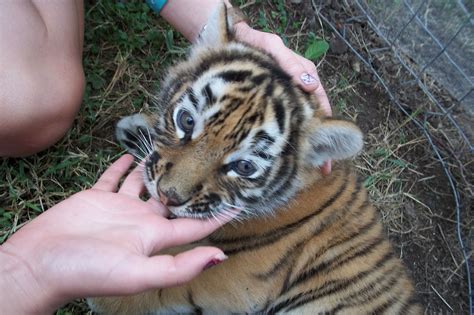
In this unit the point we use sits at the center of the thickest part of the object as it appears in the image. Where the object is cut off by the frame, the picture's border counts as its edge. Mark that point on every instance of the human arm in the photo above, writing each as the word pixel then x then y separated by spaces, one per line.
pixel 99 242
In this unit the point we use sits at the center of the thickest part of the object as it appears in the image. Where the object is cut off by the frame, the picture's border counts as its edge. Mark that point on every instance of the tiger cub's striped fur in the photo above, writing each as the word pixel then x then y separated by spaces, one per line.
pixel 232 130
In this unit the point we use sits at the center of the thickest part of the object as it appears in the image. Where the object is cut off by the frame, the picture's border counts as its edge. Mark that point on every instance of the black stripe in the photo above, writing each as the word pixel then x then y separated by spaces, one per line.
pixel 207 93
pixel 237 130
pixel 132 146
pixel 283 178
pixel 284 230
pixel 255 242
pixel 246 88
pixel 263 136
pixel 260 60
pixel 294 249
pixel 279 114
pixel 327 288
pixel 283 261
pixel 235 56
pixel 196 309
pixel 357 234
pixel 234 75
pixel 219 117
pixel 327 266
pixel 263 155
pixel 130 136
pixel 192 98
pixel 368 292
pixel 258 79
pixel 385 306
pixel 334 217
pixel 151 171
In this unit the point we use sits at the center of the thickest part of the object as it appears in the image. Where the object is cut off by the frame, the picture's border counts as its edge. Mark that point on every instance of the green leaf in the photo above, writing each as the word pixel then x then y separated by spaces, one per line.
pixel 316 49
pixel 33 207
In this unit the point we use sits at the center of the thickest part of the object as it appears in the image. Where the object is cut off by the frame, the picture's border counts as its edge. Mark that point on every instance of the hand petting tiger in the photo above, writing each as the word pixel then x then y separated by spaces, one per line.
pixel 230 130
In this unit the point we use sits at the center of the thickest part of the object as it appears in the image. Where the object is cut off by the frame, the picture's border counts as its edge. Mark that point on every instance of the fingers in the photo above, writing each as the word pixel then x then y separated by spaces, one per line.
pixel 302 70
pixel 322 98
pixel 158 207
pixel 326 168
pixel 184 231
pixel 165 271
pixel 110 179
pixel 304 73
pixel 133 184
pixel 307 77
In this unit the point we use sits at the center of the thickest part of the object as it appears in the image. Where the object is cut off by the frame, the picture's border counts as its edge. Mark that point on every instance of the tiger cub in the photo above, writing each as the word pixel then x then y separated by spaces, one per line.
pixel 231 130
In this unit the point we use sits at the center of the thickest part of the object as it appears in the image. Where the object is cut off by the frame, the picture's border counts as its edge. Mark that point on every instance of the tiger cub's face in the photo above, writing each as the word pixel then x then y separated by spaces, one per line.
pixel 231 130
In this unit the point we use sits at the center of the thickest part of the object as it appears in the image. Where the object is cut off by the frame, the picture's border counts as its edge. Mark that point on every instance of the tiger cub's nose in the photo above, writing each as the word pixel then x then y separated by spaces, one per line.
pixel 169 198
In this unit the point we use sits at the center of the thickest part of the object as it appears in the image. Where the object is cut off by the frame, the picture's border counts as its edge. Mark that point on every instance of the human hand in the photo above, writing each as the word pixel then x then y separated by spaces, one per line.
pixel 301 69
pixel 99 242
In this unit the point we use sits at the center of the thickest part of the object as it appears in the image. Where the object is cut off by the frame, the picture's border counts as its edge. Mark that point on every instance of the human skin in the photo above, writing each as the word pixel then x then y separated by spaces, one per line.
pixel 41 74
pixel 101 241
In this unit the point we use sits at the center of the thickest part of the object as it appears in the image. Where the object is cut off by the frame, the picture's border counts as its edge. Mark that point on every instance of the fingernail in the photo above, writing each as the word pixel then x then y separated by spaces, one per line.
pixel 219 258
pixel 308 78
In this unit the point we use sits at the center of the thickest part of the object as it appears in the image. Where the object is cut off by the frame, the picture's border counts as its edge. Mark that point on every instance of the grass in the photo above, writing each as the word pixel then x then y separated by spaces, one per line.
pixel 126 49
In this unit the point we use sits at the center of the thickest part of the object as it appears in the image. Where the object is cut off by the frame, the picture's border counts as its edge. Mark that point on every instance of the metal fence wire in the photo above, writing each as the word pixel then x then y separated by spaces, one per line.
pixel 433 38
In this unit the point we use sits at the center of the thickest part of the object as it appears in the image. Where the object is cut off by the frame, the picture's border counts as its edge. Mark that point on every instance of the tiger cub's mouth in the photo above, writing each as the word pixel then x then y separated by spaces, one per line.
pixel 184 212
pixel 189 208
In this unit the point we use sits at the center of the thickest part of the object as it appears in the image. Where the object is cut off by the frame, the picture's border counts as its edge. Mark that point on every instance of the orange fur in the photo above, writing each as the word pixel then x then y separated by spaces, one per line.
pixel 242 283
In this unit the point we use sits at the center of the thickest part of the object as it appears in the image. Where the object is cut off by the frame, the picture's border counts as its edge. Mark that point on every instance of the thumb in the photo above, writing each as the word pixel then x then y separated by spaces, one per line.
pixel 302 70
pixel 165 270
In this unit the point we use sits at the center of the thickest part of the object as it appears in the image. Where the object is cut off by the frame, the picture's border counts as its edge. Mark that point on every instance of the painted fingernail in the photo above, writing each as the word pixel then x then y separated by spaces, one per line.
pixel 219 258
pixel 308 78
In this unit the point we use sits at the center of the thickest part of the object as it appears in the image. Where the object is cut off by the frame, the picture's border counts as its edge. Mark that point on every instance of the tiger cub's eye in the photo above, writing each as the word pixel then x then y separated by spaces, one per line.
pixel 185 121
pixel 244 168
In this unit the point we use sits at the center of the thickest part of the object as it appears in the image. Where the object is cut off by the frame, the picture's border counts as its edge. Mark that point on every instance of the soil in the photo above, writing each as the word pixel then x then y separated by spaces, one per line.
pixel 423 249
pixel 419 208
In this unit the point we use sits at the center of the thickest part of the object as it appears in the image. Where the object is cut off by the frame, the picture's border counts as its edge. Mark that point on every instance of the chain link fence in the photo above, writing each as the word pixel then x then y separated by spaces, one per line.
pixel 432 42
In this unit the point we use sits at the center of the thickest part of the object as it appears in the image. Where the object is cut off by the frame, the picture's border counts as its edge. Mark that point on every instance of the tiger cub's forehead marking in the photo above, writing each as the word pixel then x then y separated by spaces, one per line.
pixel 203 97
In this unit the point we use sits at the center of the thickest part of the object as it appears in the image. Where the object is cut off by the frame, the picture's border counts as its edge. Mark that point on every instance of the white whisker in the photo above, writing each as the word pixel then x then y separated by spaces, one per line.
pixel 149 138
pixel 145 143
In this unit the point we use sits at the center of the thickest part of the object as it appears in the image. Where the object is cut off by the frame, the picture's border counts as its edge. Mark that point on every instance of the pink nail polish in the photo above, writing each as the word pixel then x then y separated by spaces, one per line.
pixel 215 261
pixel 308 78
pixel 212 263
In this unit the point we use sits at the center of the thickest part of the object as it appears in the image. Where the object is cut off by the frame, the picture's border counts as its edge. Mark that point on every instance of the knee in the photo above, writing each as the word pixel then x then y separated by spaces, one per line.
pixel 39 107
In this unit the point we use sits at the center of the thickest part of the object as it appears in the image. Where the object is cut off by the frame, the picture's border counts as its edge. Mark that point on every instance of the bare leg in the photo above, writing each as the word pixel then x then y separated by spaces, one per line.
pixel 41 75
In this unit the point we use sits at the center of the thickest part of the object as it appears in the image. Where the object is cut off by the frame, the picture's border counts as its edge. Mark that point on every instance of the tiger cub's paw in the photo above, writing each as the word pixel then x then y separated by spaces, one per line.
pixel 134 134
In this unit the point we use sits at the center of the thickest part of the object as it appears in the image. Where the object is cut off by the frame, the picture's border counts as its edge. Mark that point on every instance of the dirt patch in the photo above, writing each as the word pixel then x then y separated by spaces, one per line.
pixel 402 173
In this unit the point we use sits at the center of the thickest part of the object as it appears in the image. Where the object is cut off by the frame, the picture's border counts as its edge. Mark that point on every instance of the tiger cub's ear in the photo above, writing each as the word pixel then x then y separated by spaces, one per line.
pixel 217 30
pixel 136 135
pixel 333 139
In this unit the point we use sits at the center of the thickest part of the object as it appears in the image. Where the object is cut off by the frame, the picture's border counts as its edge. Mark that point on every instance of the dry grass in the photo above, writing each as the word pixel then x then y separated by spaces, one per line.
pixel 403 174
